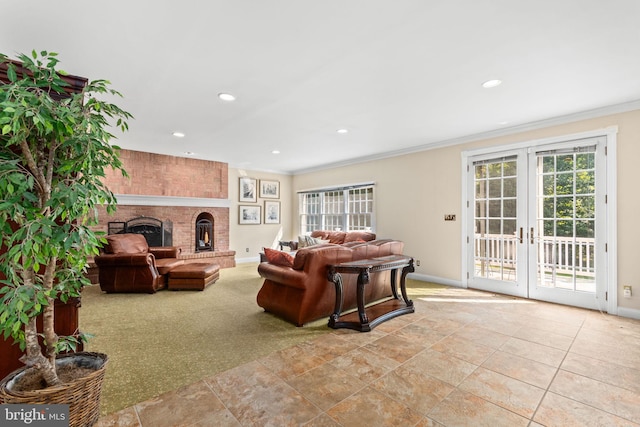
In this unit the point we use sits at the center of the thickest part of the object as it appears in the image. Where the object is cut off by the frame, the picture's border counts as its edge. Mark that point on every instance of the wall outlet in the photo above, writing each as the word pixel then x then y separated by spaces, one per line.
pixel 450 217
pixel 247 249
pixel 627 291
pixel 417 263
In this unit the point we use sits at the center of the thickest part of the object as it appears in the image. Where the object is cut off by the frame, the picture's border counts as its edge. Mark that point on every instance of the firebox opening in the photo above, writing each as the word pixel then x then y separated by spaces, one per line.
pixel 204 232
pixel 155 231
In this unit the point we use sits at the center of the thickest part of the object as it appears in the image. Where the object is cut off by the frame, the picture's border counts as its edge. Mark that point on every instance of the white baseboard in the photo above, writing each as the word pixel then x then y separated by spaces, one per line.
pixel 629 312
pixel 622 311
pixel 435 279
pixel 247 260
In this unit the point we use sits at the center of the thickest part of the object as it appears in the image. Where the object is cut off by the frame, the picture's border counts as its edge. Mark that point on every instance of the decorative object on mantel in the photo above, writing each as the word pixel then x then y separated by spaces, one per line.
pixel 248 189
pixel 271 212
pixel 269 189
pixel 249 214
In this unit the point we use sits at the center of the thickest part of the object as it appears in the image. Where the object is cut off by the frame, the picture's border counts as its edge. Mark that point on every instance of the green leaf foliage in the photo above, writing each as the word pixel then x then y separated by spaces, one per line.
pixel 53 155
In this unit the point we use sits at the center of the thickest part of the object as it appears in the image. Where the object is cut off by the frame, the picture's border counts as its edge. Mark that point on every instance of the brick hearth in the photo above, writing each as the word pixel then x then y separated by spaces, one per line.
pixel 166 180
pixel 184 219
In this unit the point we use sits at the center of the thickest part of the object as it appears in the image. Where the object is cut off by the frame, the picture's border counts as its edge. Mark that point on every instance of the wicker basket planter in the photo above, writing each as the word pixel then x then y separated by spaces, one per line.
pixel 82 395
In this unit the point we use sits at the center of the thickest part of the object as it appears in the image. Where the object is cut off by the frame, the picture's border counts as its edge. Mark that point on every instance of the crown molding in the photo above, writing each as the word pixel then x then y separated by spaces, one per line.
pixel 541 124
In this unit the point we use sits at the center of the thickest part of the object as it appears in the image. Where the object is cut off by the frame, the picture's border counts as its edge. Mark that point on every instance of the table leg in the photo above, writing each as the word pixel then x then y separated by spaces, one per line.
pixel 394 283
pixel 403 285
pixel 336 278
pixel 363 279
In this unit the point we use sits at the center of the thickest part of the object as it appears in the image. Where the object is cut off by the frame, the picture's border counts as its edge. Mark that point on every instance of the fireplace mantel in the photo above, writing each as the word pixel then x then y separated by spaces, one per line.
pixel 141 200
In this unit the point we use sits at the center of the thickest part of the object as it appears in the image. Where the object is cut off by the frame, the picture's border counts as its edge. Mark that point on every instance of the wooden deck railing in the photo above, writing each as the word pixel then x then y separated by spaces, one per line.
pixel 556 255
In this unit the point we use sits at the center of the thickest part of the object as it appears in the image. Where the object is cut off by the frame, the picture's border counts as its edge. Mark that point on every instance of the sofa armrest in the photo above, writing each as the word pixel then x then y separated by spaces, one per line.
pixel 165 251
pixel 113 260
pixel 286 276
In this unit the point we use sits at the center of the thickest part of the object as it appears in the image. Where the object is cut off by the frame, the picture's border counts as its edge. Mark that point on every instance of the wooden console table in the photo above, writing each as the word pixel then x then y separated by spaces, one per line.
pixel 367 318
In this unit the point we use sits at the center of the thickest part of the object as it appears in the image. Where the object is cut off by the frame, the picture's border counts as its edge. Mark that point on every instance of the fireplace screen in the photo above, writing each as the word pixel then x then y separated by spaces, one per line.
pixel 156 232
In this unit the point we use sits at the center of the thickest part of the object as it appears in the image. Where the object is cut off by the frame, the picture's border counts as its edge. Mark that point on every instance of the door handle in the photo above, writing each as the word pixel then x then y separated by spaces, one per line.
pixel 521 234
pixel 531 236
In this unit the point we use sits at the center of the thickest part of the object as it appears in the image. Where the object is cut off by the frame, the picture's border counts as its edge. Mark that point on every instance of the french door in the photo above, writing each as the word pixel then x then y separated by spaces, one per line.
pixel 536 222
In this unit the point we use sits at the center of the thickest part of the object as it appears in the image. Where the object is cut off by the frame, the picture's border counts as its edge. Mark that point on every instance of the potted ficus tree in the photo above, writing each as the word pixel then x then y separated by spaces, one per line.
pixel 54 151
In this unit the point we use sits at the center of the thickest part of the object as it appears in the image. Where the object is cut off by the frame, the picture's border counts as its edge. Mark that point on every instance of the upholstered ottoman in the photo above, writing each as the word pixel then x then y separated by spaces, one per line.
pixel 196 276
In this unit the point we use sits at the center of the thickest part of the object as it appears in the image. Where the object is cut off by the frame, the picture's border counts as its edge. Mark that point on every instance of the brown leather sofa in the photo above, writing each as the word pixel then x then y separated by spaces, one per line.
pixel 337 237
pixel 128 264
pixel 302 293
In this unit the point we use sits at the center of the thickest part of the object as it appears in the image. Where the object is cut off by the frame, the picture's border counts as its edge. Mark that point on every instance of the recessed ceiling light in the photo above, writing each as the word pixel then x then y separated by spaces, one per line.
pixel 504 122
pixel 491 83
pixel 189 153
pixel 343 131
pixel 275 152
pixel 226 97
pixel 178 134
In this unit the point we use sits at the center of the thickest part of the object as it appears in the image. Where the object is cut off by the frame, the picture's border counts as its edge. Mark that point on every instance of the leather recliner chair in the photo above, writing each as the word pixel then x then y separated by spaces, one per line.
pixel 128 264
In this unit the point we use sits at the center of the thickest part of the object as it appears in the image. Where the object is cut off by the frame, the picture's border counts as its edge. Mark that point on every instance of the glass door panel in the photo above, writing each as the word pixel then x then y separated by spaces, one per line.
pixel 496 232
pixel 564 227
pixel 535 230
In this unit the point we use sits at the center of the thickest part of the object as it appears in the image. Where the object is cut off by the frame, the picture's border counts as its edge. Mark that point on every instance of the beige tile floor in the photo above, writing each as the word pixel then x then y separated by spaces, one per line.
pixel 465 358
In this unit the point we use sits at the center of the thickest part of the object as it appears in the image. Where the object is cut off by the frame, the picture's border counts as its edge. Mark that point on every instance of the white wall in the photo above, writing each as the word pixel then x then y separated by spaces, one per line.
pixel 248 240
pixel 415 191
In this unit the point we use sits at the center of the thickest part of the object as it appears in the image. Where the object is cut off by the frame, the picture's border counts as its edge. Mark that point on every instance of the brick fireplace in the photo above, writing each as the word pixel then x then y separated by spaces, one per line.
pixel 179 191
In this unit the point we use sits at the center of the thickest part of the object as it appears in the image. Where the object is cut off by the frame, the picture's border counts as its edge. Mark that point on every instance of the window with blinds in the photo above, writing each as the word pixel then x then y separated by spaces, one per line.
pixel 346 208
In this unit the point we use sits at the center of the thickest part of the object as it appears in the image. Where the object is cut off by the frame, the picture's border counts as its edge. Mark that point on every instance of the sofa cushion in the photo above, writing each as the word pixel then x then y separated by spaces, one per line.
pixel 126 244
pixel 165 265
pixel 305 241
pixel 365 250
pixel 389 247
pixel 353 243
pixel 305 254
pixel 300 259
pixel 354 236
pixel 336 237
pixel 278 257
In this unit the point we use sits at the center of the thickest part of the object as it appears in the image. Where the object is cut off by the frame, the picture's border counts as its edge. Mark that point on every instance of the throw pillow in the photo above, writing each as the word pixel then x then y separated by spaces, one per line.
pixel 306 241
pixel 278 257
pixel 303 241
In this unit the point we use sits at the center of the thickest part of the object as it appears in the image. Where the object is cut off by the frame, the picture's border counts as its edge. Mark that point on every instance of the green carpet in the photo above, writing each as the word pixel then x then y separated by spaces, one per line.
pixel 159 342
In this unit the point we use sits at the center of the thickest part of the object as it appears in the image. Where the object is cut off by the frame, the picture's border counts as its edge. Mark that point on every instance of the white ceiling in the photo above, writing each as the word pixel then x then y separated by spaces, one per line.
pixel 400 75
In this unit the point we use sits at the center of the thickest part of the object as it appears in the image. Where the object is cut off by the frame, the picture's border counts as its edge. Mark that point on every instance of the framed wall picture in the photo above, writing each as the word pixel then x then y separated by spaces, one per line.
pixel 271 212
pixel 269 189
pixel 249 214
pixel 248 189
